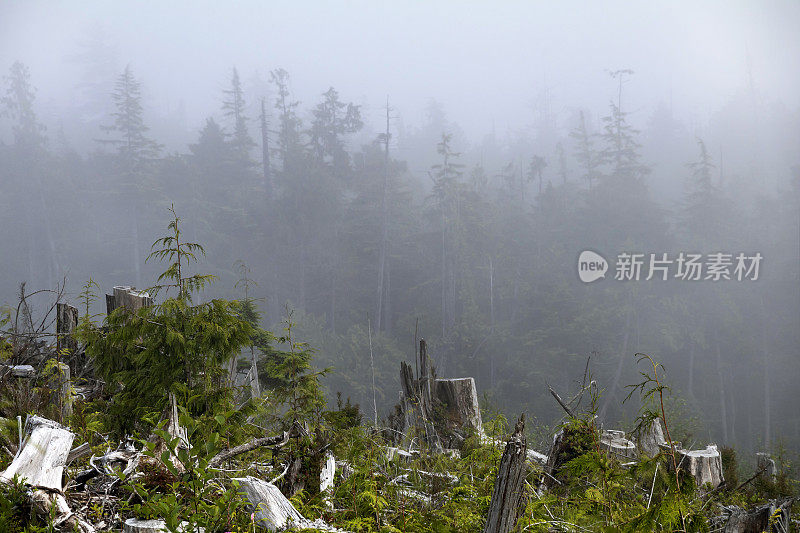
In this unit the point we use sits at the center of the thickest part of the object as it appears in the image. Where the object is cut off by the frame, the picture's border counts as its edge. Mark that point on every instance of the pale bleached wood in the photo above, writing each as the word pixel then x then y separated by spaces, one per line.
pixel 273 511
pixel 41 459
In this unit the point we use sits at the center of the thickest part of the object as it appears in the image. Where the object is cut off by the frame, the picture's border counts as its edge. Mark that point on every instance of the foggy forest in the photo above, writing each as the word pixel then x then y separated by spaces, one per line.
pixel 367 252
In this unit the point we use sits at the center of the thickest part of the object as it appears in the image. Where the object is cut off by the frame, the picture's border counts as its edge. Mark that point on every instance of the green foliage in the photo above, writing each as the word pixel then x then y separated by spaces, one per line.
pixel 173 346
pixel 297 390
pixel 181 486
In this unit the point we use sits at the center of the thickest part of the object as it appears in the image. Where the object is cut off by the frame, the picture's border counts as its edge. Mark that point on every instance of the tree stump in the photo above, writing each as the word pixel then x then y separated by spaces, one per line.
pixel 773 517
pixel 460 399
pixel 127 297
pixel 66 324
pixel 615 443
pixel 766 464
pixel 704 465
pixel 651 438
pixel 507 497
pixel 43 454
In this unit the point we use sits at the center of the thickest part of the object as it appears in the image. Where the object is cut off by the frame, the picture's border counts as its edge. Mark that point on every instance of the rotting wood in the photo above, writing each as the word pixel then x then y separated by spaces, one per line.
pixel 774 517
pixel 507 497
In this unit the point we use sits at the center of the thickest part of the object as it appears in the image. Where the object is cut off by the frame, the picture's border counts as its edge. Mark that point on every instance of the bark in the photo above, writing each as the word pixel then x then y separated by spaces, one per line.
pixel 507 498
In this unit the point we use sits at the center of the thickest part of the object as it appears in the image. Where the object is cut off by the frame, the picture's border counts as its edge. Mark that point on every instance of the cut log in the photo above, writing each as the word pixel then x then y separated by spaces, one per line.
pixel 460 399
pixel 704 465
pixel 651 439
pixel 43 454
pixel 615 443
pixel 507 497
pixel 135 525
pixel 272 510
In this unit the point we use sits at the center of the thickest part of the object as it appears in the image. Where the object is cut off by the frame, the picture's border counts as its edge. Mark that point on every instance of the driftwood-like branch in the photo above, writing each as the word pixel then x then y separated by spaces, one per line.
pixel 276 441
pixel 81 451
pixel 561 402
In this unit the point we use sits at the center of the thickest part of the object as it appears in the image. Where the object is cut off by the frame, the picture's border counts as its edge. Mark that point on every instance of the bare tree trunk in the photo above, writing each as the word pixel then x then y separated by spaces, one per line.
pixel 265 152
pixel 723 414
pixel 384 225
pixel 765 364
pixel 612 391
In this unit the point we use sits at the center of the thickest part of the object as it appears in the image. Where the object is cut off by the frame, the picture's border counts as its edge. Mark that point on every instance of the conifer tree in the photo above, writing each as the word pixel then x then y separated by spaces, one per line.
pixel 233 107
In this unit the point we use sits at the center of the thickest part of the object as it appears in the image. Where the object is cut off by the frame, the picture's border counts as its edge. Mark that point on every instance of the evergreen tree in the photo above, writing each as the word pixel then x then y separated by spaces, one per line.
pixel 233 106
pixel 585 153
pixel 18 104
pixel 333 119
pixel 175 346
pixel 133 145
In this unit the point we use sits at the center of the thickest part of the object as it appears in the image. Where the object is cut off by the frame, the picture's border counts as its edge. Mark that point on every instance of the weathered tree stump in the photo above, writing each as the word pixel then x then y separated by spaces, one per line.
pixel 507 497
pixel 773 517
pixel 66 324
pixel 43 454
pixel 651 438
pixel 615 443
pixel 766 464
pixel 127 297
pixel 704 465
pixel 459 397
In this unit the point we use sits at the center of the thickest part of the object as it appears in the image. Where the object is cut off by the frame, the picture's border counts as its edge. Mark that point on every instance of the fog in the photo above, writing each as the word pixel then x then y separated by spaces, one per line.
pixel 493 283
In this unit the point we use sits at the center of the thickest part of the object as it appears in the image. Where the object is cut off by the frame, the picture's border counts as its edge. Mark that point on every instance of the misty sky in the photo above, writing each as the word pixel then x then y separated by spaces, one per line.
pixel 484 60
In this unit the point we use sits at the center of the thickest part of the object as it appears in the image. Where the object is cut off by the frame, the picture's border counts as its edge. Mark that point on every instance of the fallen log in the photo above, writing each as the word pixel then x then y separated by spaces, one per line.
pixel 276 441
pixel 273 511
pixel 507 497
pixel 136 525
